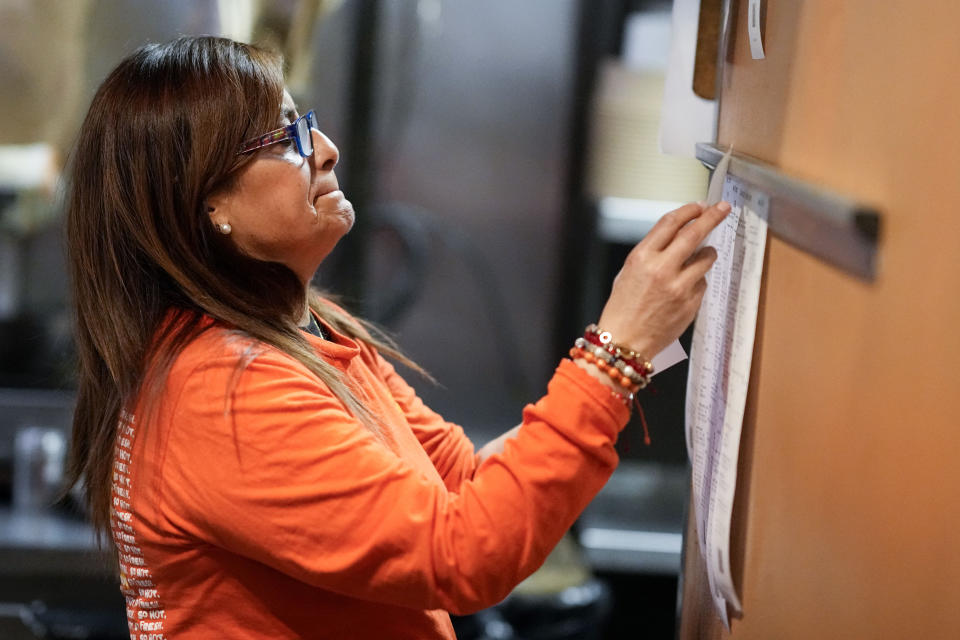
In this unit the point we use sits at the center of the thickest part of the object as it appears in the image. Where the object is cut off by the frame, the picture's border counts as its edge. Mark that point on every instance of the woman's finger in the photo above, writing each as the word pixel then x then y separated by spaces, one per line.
pixel 699 288
pixel 693 234
pixel 698 265
pixel 667 226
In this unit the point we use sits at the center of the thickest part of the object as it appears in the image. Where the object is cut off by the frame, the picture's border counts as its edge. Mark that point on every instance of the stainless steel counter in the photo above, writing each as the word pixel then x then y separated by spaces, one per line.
pixel 635 524
pixel 48 544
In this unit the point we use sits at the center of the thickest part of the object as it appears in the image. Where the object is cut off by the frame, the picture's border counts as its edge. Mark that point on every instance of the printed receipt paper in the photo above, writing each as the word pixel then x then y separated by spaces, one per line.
pixel 720 357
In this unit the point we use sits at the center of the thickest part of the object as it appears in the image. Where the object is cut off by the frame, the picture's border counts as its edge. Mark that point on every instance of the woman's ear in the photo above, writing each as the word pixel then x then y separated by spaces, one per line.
pixel 218 211
pixel 217 205
pixel 213 203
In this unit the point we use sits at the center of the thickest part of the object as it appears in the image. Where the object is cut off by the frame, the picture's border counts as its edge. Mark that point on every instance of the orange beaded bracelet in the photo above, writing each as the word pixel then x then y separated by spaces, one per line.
pixel 606 368
pixel 619 367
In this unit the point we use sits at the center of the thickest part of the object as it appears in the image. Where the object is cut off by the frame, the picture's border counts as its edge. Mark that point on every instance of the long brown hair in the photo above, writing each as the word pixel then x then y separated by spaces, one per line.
pixel 161 135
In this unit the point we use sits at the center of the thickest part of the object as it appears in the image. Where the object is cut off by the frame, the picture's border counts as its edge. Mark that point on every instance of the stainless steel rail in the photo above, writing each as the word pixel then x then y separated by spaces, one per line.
pixel 833 227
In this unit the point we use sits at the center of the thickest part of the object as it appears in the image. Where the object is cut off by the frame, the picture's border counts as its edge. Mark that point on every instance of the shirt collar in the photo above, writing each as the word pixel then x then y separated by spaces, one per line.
pixel 337 345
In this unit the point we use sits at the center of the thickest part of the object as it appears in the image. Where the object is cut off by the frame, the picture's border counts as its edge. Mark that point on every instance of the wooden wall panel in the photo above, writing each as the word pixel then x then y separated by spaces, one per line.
pixel 846 526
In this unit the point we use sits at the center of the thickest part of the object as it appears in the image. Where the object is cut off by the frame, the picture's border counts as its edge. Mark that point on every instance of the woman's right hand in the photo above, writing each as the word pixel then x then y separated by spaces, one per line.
pixel 658 291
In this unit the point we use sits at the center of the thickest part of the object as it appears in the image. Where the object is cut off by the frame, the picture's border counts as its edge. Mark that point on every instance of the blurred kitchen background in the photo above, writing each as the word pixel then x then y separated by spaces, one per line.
pixel 502 157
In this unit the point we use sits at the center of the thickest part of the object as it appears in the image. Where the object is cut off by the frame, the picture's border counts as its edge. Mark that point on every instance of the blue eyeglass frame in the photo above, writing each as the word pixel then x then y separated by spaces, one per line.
pixel 292 131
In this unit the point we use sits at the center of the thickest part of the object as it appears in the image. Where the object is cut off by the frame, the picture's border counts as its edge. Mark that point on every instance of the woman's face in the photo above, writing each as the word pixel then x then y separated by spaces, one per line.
pixel 285 208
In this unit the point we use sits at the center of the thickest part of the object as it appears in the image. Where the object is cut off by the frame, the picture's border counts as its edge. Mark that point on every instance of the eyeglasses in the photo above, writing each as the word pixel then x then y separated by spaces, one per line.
pixel 299 130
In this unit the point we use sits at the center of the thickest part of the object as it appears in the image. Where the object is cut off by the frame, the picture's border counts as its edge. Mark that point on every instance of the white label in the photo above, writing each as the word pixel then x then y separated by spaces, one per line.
pixel 753 29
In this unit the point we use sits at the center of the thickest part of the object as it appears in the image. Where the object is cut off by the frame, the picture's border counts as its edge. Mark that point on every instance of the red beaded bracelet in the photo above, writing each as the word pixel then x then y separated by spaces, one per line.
pixel 598 337
pixel 625 399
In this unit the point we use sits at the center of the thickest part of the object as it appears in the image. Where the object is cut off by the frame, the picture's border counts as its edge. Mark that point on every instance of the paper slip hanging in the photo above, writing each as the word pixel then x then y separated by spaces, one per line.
pixel 720 357
pixel 755 30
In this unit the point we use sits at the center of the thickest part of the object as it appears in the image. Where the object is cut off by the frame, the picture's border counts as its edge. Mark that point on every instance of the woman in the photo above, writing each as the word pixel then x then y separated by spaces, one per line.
pixel 261 469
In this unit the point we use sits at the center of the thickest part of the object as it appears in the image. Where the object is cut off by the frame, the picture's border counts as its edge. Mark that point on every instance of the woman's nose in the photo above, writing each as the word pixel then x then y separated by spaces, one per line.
pixel 325 153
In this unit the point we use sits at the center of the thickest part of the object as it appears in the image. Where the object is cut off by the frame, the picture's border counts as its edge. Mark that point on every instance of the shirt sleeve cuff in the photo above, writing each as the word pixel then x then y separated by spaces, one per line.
pixel 572 379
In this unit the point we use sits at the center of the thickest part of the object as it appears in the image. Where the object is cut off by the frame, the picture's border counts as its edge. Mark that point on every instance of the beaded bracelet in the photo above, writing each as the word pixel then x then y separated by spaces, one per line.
pixel 623 366
pixel 627 362
pixel 627 380
pixel 603 339
pixel 627 399
pixel 607 368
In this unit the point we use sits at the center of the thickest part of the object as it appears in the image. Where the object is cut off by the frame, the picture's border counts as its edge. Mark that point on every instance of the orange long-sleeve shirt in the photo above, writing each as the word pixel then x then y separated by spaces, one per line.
pixel 256 506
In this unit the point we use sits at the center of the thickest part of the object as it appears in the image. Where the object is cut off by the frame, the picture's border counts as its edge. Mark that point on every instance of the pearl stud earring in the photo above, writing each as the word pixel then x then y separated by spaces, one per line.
pixel 225 228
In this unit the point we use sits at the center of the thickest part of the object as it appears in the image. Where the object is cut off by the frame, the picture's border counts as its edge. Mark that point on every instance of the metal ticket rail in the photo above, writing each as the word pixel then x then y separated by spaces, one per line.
pixel 839 230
